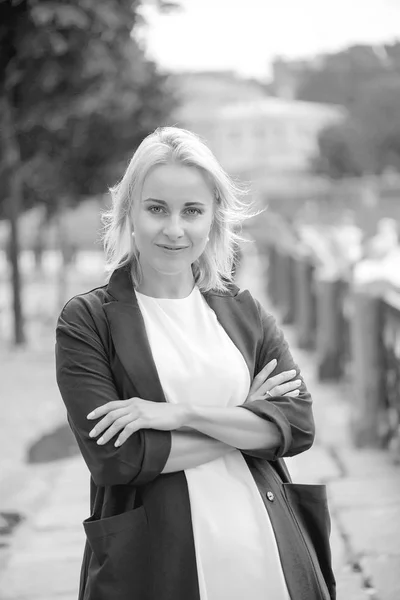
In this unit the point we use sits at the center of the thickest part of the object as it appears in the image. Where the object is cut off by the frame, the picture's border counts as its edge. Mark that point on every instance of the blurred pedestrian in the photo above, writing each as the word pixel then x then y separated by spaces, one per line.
pixel 184 397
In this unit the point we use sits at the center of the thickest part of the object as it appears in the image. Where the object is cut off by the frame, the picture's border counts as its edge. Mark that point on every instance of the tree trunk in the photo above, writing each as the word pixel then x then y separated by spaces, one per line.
pixel 13 172
pixel 62 275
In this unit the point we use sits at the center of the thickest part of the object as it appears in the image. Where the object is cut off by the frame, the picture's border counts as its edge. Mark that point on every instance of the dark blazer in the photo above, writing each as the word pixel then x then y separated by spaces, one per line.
pixel 139 536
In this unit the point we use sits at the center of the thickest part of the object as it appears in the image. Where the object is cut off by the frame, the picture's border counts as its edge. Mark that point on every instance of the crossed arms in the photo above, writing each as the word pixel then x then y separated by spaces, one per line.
pixel 279 426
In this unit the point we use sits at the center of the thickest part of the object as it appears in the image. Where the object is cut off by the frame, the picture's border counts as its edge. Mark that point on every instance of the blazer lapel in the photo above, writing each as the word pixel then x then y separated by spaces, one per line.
pixel 129 336
pixel 233 317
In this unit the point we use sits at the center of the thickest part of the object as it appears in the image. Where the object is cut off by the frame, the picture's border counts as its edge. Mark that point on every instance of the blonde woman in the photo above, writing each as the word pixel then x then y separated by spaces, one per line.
pixel 183 397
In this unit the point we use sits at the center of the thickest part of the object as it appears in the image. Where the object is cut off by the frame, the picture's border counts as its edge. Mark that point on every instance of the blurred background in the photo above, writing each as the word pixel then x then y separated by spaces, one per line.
pixel 300 101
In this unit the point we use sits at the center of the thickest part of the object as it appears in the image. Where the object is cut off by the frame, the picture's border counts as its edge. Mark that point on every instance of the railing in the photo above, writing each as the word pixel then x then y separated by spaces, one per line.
pixel 354 333
pixel 390 345
pixel 319 308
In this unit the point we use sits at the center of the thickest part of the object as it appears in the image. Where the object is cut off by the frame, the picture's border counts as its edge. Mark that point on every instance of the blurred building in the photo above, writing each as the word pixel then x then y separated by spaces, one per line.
pixel 264 138
pixel 272 134
pixel 211 89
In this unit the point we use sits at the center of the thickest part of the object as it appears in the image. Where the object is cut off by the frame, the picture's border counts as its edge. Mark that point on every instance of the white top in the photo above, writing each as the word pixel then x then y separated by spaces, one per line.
pixel 236 552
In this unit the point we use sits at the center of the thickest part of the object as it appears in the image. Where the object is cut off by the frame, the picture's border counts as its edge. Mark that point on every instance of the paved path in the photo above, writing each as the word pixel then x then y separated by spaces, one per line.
pixel 43 559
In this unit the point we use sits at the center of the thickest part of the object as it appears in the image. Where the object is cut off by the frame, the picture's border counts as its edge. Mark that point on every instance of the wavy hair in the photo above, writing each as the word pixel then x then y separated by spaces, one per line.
pixel 212 270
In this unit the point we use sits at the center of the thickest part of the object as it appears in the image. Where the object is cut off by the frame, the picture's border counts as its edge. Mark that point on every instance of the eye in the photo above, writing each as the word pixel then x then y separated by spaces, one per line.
pixel 194 211
pixel 156 210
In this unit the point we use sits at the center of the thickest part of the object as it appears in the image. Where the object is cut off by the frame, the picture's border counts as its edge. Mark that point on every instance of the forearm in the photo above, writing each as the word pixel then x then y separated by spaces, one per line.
pixel 234 426
pixel 190 449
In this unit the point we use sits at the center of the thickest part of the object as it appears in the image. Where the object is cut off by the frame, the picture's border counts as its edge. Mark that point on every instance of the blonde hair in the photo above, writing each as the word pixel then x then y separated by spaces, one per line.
pixel 212 270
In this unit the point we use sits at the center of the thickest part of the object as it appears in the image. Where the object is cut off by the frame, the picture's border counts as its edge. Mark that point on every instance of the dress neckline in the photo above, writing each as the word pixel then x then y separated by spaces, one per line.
pixel 166 300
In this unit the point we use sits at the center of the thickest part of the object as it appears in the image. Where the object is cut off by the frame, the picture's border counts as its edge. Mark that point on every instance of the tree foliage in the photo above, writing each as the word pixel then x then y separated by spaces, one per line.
pixel 342 151
pixel 338 78
pixel 81 90
pixel 367 81
pixel 378 110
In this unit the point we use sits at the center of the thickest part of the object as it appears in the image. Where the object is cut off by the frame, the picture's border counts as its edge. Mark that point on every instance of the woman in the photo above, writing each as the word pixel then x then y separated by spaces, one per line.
pixel 183 397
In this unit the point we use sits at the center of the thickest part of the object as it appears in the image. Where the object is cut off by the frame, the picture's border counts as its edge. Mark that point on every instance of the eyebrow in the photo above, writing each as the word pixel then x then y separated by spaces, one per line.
pixel 166 203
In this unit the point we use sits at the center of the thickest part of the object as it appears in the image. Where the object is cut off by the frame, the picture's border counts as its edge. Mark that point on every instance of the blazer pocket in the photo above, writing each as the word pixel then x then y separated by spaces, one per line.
pixel 309 507
pixel 119 568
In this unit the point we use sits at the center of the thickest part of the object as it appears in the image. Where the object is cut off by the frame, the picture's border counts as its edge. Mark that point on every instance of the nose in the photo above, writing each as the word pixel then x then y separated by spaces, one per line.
pixel 173 228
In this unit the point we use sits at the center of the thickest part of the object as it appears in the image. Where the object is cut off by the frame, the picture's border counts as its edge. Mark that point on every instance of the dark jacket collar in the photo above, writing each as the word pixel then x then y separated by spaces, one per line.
pixel 120 287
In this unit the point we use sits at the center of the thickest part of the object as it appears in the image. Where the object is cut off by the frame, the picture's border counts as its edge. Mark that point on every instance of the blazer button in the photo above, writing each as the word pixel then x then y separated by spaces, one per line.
pixel 270 496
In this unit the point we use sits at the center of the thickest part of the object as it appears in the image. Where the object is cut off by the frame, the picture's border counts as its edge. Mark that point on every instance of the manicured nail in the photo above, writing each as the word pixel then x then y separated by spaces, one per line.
pixel 92 433
pixel 100 440
pixel 90 415
pixel 117 443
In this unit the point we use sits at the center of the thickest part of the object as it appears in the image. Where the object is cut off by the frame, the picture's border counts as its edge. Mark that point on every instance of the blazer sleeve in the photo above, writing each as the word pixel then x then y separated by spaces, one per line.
pixel 86 382
pixel 291 414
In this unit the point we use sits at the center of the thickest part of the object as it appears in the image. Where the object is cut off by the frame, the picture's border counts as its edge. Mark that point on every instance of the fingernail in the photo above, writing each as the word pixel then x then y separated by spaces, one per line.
pixel 92 433
pixel 100 440
pixel 90 415
pixel 117 443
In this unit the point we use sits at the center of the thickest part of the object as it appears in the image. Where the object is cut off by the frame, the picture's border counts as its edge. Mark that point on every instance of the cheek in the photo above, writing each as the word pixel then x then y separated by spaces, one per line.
pixel 145 227
pixel 202 228
pixel 199 235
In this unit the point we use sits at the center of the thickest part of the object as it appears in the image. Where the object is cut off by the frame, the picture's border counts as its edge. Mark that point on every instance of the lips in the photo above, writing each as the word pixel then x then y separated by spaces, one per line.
pixel 172 248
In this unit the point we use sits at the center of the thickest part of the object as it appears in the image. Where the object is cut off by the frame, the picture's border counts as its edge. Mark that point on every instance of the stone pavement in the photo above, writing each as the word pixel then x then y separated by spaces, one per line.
pixel 43 559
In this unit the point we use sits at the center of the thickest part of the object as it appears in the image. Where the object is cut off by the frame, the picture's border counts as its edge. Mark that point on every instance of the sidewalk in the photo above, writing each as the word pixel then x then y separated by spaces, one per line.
pixel 44 558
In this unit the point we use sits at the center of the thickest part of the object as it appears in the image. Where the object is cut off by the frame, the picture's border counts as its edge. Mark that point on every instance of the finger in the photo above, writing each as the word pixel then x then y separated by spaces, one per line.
pixel 294 393
pixel 280 378
pixel 114 429
pixel 106 408
pixel 260 378
pixel 268 368
pixel 107 421
pixel 131 428
pixel 273 382
pixel 280 390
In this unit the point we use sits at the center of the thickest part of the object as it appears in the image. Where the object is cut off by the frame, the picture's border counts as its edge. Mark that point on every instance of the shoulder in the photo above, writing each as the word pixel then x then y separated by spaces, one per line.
pixel 84 306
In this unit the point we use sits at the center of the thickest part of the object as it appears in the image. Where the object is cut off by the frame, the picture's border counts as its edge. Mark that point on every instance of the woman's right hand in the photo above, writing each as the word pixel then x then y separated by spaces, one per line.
pixel 282 384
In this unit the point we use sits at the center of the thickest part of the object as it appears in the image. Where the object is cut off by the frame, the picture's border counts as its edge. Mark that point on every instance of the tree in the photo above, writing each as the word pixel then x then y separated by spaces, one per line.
pixel 378 111
pixel 368 142
pixel 337 78
pixel 77 95
pixel 367 81
pixel 341 151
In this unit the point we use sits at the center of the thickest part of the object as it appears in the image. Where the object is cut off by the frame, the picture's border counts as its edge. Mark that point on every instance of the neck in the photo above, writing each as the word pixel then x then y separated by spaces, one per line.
pixel 166 286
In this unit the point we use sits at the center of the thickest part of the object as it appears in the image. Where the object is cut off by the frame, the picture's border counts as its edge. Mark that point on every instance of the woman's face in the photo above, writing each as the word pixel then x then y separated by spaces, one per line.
pixel 172 219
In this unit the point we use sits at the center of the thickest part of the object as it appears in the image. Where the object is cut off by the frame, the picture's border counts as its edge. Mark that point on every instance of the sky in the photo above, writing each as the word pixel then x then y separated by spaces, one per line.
pixel 244 35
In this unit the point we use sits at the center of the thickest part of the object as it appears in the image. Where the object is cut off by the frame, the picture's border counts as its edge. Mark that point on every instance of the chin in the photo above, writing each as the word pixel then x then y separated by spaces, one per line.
pixel 170 269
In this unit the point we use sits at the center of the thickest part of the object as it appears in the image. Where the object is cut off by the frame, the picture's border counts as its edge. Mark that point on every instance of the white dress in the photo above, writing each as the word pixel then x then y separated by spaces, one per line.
pixel 236 552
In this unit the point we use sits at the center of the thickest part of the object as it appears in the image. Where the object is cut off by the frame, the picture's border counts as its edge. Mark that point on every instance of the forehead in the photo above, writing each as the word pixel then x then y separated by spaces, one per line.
pixel 174 182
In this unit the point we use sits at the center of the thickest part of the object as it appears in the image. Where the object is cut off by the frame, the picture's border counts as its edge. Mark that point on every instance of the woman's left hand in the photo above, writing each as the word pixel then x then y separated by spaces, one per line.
pixel 128 416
